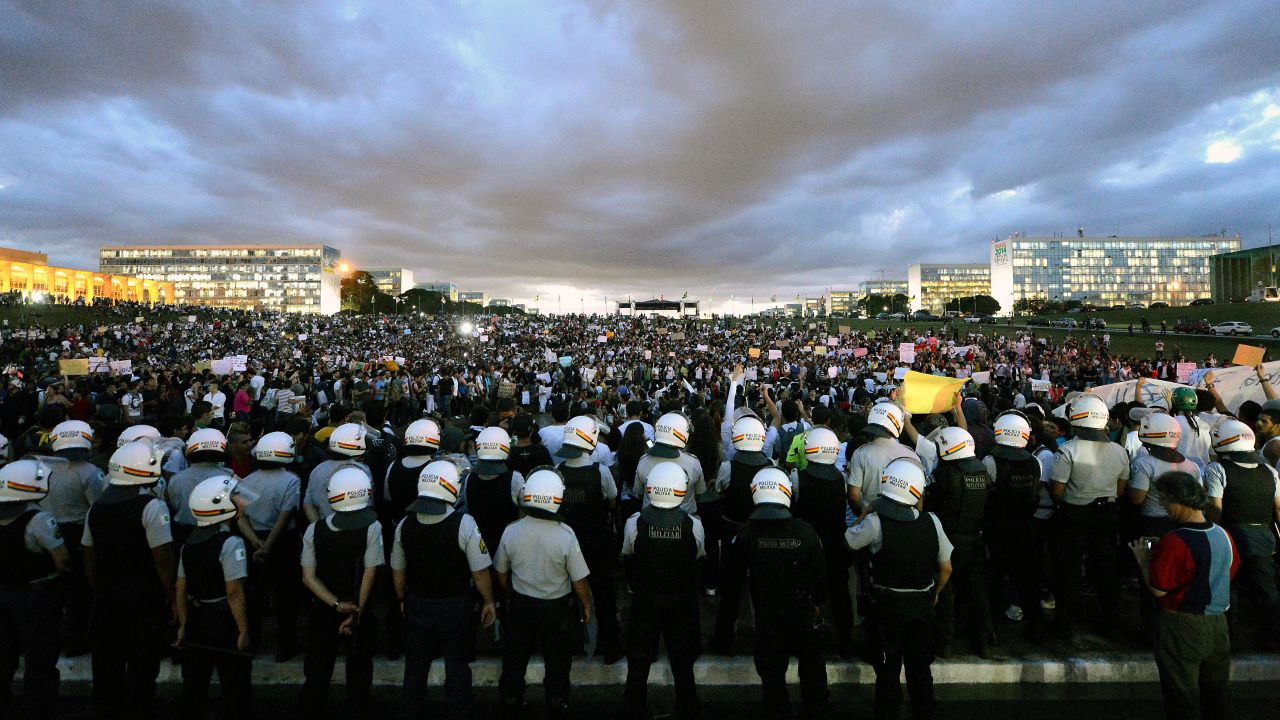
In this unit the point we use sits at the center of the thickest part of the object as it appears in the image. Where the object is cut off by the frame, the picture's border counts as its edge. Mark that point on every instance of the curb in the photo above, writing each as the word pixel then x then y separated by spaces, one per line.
pixel 719 671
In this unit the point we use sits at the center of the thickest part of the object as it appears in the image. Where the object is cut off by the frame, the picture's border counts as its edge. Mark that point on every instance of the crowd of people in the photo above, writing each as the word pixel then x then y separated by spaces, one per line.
pixel 593 485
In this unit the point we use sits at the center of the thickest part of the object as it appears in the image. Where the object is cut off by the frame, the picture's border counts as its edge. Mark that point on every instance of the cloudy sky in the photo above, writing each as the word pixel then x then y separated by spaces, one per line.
pixel 593 149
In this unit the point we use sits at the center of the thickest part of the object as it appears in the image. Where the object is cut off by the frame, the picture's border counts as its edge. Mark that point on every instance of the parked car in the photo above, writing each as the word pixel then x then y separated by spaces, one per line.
pixel 1201 301
pixel 924 316
pixel 973 319
pixel 988 319
pixel 1232 328
pixel 1275 332
pixel 1198 326
pixel 1038 322
pixel 1068 323
pixel 1094 323
pixel 882 316
pixel 1157 305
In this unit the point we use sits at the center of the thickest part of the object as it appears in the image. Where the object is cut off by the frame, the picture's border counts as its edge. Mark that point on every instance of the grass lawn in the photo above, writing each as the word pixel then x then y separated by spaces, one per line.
pixel 1262 316
pixel 58 315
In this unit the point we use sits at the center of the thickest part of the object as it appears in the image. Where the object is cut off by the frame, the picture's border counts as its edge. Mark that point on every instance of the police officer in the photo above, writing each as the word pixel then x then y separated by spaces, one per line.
pixel 781 557
pixel 34 556
pixel 1011 506
pixel 820 500
pixel 590 499
pixel 671 436
pixel 1089 472
pixel 348 444
pixel 664 544
pixel 492 488
pixel 1160 435
pixel 1246 498
pixel 130 565
pixel 421 443
pixel 274 549
pixel 541 569
pixel 438 562
pixel 910 566
pixel 885 422
pixel 958 497
pixel 734 482
pixel 340 556
pixel 206 452
pixel 213 617
pixel 73 487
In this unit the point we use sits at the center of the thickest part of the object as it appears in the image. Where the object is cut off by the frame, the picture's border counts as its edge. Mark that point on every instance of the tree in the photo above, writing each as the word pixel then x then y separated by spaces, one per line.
pixel 360 294
pixel 431 302
pixel 974 305
pixel 1029 306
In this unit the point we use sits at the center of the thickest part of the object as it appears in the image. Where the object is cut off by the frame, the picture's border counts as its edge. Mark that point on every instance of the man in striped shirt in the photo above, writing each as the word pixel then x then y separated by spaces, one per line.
pixel 1189 572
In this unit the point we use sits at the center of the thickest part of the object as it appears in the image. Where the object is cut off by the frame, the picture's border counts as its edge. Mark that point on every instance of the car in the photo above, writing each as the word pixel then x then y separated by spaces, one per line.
pixel 973 319
pixel 988 319
pixel 1157 305
pixel 1232 328
pixel 1068 323
pixel 1134 306
pixel 924 316
pixel 1201 301
pixel 1094 323
pixel 1275 332
pixel 882 316
pixel 1198 326
pixel 1038 322
pixel 1116 307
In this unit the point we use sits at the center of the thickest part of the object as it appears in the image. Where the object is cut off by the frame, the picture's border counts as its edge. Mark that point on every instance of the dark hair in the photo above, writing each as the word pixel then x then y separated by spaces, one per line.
pixel 297 425
pixel 821 414
pixel 790 411
pixel 480 415
pixel 635 407
pixel 51 415
pixel 704 444
pixel 560 412
pixel 1182 488
pixel 630 450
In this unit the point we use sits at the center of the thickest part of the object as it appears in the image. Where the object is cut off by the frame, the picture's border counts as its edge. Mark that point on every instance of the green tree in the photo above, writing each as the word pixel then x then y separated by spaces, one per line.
pixel 974 305
pixel 874 304
pixel 360 295
pixel 1029 306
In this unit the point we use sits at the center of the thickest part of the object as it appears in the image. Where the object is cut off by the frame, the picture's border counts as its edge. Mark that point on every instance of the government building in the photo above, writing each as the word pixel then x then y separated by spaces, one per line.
pixel 283 278
pixel 30 275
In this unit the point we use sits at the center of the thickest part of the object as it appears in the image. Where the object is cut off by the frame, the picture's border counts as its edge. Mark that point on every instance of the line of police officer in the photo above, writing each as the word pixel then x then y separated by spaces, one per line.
pixel 461 531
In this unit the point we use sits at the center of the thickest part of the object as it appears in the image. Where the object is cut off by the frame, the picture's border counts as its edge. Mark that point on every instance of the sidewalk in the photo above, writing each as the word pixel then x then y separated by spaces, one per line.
pixel 714 670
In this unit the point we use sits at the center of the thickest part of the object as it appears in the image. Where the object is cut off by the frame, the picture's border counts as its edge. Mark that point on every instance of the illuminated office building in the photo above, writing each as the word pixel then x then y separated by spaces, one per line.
pixel 30 274
pixel 930 286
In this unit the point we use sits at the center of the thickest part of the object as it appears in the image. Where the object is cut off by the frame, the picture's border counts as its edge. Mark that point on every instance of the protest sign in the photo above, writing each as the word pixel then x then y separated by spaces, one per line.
pixel 1043 386
pixel 833 341
pixel 907 352
pixel 775 354
pixel 1184 371
pixel 74 367
pixel 981 378
pixel 922 393
pixel 753 353
pixel 859 352
pixel 1248 355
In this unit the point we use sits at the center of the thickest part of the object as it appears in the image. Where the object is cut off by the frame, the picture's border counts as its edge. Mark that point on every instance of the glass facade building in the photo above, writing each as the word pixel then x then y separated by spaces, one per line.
pixel 285 278
pixel 1233 276
pixel 1104 270
pixel 392 281
pixel 931 286
pixel 446 289
pixel 30 275
pixel 882 287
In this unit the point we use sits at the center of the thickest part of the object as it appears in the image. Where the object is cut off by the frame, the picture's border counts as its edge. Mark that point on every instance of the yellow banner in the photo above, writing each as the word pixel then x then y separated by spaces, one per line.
pixel 74 367
pixel 922 393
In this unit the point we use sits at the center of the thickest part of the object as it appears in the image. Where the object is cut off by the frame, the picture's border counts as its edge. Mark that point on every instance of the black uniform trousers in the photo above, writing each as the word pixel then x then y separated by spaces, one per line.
pixel 1012 545
pixel 29 628
pixel 967 591
pixel 551 624
pixel 281 578
pixel 837 558
pixel 674 619
pixel 76 595
pixel 435 628
pixel 128 639
pixel 599 550
pixel 214 627
pixel 730 590
pixel 783 632
pixel 905 626
pixel 714 529
pixel 1086 529
pixel 323 642
pixel 1257 573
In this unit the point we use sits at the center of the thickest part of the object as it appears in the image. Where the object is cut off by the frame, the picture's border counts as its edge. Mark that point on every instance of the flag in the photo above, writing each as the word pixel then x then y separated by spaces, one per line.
pixel 685 296
pixel 773 298
pixel 535 298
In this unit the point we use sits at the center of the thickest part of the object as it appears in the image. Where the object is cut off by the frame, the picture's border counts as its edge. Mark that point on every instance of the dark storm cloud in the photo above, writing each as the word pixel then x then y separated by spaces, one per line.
pixel 612 147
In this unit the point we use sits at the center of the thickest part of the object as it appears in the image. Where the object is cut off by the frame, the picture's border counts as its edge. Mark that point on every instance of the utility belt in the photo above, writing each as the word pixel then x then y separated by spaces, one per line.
pixel 200 603
pixel 897 592
pixel 1095 503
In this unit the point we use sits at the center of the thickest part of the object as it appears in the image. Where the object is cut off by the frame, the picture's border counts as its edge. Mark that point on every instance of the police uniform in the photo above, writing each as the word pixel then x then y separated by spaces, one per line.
pixel 177 491
pixel 211 558
pixel 782 560
pixel 1088 521
pixel 340 549
pixel 692 468
pixel 665 547
pixel 544 559
pixel 867 462
pixel 823 503
pixel 438 554
pixel 1249 493
pixel 317 494
pixel 493 503
pixel 588 490
pixel 131 609
pixel 401 488
pixel 278 492
pixel 1153 519
pixel 30 609
pixel 958 497
pixel 735 484
pixel 73 487
pixel 906 550
pixel 1012 502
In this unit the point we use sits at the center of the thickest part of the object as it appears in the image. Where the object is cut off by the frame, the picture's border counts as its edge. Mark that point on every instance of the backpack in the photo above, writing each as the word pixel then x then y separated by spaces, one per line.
pixel 786 438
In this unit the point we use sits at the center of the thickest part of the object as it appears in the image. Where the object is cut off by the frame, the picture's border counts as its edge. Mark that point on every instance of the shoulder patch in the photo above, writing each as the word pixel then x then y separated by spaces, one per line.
pixel 164 519
pixel 240 555
pixel 483 548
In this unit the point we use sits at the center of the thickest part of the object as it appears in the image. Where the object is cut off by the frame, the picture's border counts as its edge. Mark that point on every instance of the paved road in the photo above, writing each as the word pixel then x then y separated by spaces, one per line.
pixel 1255 701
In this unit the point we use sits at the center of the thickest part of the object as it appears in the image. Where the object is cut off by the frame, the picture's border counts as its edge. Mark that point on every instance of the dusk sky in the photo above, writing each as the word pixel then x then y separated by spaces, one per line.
pixel 606 148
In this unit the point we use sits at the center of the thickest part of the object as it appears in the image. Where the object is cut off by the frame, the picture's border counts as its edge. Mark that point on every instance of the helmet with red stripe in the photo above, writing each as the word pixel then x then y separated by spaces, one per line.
pixel 274 448
pixel 25 480
pixel 954 444
pixel 348 439
pixel 350 489
pixel 667 485
pixel 902 481
pixel 137 464
pixel 1232 436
